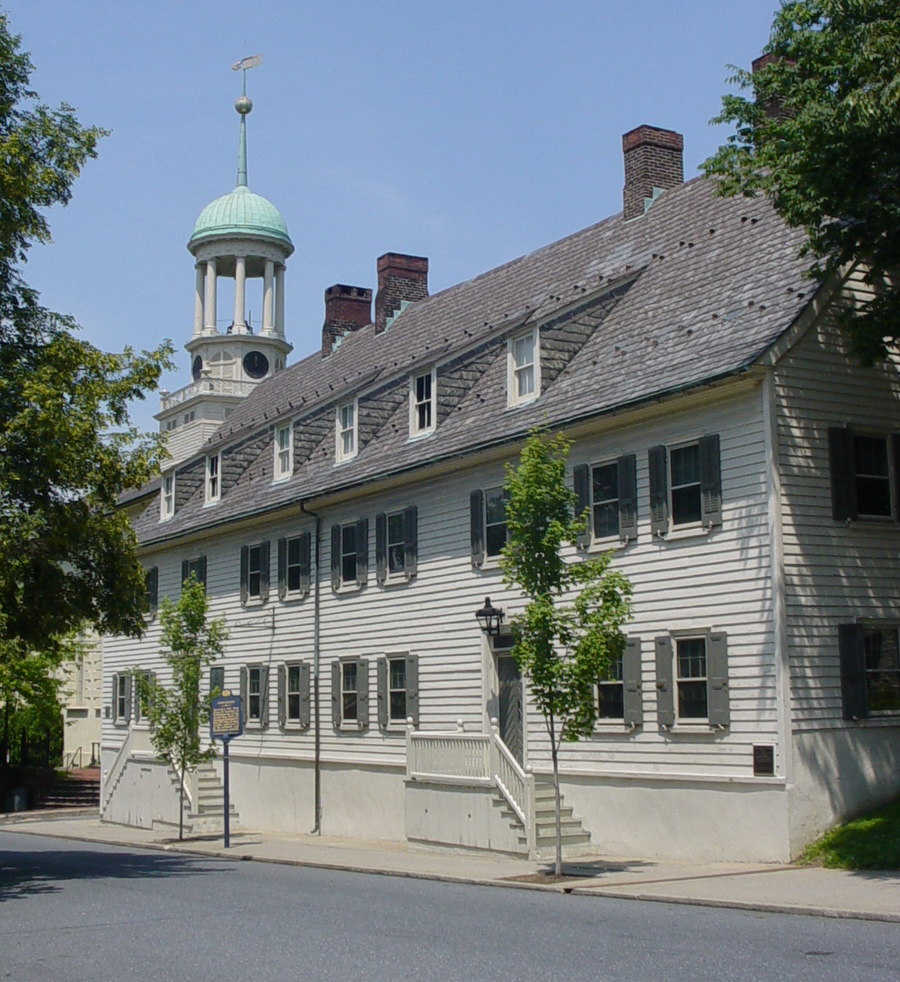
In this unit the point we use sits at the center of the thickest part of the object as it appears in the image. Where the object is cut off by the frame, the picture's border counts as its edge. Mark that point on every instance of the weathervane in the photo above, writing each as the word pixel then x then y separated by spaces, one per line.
pixel 244 64
pixel 243 104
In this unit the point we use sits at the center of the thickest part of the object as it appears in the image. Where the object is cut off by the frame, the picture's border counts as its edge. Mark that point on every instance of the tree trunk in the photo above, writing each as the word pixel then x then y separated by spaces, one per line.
pixel 557 809
pixel 181 807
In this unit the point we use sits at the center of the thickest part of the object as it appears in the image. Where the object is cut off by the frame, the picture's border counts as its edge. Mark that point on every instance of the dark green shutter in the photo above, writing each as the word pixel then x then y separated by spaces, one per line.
pixel 185 571
pixel 264 563
pixel 582 477
pixel 381 547
pixel 217 679
pixel 304 695
pixel 362 691
pixel 336 693
pixel 411 540
pixel 383 713
pixel 335 557
pixel 245 705
pixel 412 688
pixel 282 695
pixel 282 568
pixel 129 687
pixel 665 695
pixel 305 566
pixel 476 526
pixel 851 641
pixel 895 455
pixel 264 696
pixel 710 481
pixel 843 473
pixel 627 467
pixel 717 679
pixel 659 490
pixel 631 677
pixel 245 573
pixel 152 590
pixel 362 552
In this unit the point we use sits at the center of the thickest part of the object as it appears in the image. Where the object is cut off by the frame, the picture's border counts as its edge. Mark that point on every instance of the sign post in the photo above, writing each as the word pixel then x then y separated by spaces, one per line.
pixel 226 721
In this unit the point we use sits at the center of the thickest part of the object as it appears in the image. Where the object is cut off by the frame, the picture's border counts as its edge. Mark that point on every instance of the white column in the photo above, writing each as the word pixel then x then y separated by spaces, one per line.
pixel 198 301
pixel 279 300
pixel 267 297
pixel 240 281
pixel 210 327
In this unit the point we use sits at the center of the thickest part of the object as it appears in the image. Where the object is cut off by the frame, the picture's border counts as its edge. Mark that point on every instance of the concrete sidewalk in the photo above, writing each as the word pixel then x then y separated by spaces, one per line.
pixel 784 889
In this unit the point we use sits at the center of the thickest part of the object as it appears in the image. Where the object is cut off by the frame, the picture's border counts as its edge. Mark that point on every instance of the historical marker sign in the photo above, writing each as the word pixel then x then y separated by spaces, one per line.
pixel 226 719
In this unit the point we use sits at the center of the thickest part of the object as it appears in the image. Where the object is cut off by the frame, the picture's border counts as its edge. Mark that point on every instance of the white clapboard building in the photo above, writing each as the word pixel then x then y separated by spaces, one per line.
pixel 346 514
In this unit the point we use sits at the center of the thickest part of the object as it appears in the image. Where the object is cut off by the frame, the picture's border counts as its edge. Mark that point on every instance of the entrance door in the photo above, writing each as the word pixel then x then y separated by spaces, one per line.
pixel 510 705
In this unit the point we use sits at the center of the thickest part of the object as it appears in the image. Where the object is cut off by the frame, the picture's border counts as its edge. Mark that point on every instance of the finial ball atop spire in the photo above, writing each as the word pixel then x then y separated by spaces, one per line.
pixel 243 104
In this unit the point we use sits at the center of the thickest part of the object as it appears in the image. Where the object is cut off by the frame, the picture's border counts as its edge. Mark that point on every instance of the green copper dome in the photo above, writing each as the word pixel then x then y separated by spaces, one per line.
pixel 240 213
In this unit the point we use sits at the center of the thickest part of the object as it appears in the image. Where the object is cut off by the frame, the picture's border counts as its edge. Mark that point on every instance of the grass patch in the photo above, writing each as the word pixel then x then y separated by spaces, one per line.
pixel 870 842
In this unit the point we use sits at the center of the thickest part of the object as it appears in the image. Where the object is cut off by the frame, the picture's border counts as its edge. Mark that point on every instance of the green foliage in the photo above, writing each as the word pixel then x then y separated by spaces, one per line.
pixel 870 842
pixel 819 135
pixel 67 446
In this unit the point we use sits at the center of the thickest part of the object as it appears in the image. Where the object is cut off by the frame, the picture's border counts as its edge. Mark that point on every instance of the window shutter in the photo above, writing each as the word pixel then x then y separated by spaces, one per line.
pixel 582 477
pixel 336 693
pixel 264 563
pixel 152 590
pixel 245 573
pixel 129 686
pixel 335 557
pixel 362 552
pixel 659 490
pixel 665 696
pixel 382 692
pixel 115 693
pixel 202 564
pixel 631 675
pixel 264 696
pixel 627 497
pixel 710 481
pixel 843 483
pixel 185 570
pixel 381 547
pixel 282 568
pixel 895 454
pixel 411 540
pixel 216 679
pixel 305 565
pixel 282 694
pixel 853 671
pixel 244 690
pixel 412 688
pixel 717 675
pixel 362 691
pixel 304 695
pixel 476 524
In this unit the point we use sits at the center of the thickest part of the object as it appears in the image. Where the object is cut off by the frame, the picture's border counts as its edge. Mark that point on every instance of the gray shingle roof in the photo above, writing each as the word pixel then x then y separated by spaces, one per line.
pixel 697 288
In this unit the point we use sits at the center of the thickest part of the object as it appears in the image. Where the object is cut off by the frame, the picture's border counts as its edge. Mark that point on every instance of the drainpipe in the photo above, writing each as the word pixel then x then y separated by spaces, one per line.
pixel 317 775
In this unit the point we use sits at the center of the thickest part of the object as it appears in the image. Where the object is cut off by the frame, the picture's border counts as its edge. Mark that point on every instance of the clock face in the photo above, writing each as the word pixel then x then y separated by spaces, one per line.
pixel 197 368
pixel 256 365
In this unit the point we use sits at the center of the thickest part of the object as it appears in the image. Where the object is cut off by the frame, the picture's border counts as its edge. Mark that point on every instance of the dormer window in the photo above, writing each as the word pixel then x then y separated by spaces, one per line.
pixel 284 453
pixel 167 497
pixel 421 404
pixel 346 432
pixel 524 369
pixel 213 484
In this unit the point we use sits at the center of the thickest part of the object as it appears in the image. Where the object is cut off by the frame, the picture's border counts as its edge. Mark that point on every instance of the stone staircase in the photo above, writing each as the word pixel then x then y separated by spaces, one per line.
pixel 576 840
pixel 206 815
pixel 78 789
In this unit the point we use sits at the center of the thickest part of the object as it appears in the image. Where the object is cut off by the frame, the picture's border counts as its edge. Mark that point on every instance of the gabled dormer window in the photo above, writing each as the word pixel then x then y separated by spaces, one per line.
pixel 213 483
pixel 167 497
pixel 284 452
pixel 524 368
pixel 345 432
pixel 422 415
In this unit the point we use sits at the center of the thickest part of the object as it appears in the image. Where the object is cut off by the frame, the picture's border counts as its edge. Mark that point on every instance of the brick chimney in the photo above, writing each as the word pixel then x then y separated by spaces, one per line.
pixel 400 278
pixel 654 158
pixel 773 106
pixel 347 308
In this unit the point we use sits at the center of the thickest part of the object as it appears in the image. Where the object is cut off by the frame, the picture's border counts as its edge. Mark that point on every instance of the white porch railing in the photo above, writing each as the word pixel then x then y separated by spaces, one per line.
pixel 115 771
pixel 221 386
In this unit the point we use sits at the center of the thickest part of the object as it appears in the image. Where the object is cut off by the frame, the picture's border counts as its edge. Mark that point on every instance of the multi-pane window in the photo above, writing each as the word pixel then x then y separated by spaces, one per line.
pixel 122 697
pixel 143 682
pixel 212 477
pixel 396 542
pixel 168 496
pixel 348 553
pixel 872 476
pixel 422 404
pixel 349 691
pixel 294 568
pixel 523 379
pixel 283 453
pixel 346 431
pixel 882 655
pixel 691 678
pixel 254 571
pixel 495 531
pixel 397 688
pixel 684 463
pixel 194 567
pixel 254 694
pixel 605 498
pixel 611 692
pixel 293 687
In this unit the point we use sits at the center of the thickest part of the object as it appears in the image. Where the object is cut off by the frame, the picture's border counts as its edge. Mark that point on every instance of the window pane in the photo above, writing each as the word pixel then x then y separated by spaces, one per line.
pixel 348 553
pixel 293 578
pixel 692 658
pixel 293 547
pixel 398 673
pixel 882 670
pixel 293 706
pixel 873 482
pixel 525 380
pixel 612 700
pixel 398 705
pixel 349 691
pixel 686 465
pixel 692 700
pixel 293 678
pixel 605 488
pixel 523 349
pixel 686 505
pixel 691 664
pixel 495 506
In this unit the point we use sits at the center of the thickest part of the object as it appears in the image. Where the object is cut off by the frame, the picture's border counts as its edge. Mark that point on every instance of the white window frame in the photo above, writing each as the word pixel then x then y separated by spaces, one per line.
pixel 283 465
pixel 144 677
pixel 489 556
pixel 683 445
pixel 343 451
pixel 608 462
pixel 293 666
pixel 677 678
pixel 288 566
pixel 254 550
pixel 613 679
pixel 401 572
pixel 882 627
pixel 392 719
pixel 514 370
pixel 890 477
pixel 121 709
pixel 257 719
pixel 346 553
pixel 213 478
pixel 167 497
pixel 415 430
pixel 345 719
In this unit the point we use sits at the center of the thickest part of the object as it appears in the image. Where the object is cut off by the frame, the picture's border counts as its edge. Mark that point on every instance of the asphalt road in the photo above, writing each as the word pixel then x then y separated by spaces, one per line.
pixel 74 911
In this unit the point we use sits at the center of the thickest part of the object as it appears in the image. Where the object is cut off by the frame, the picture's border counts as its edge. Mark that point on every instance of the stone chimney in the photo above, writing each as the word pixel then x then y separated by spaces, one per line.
pixel 399 278
pixel 654 161
pixel 347 308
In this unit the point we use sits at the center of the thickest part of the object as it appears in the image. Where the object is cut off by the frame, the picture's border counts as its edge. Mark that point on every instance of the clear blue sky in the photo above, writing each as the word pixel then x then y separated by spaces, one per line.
pixel 467 132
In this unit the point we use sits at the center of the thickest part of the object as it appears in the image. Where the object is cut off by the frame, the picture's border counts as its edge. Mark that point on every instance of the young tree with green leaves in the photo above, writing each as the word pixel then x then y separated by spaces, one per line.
pixel 177 714
pixel 571 629
pixel 819 135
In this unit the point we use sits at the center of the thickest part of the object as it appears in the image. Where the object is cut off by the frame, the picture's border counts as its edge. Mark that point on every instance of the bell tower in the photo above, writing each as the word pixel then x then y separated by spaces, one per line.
pixel 240 236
